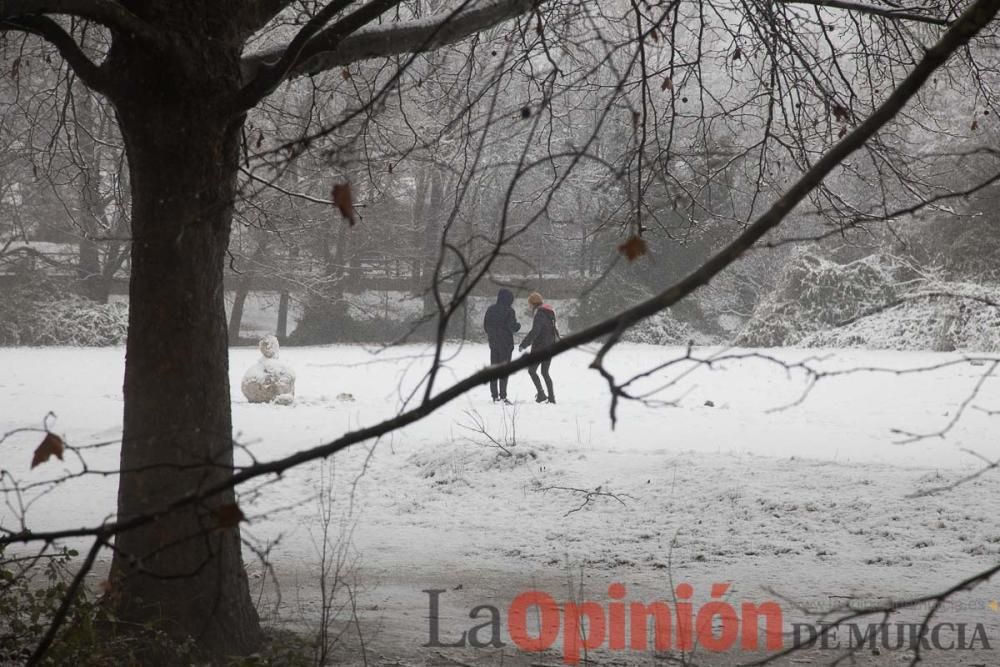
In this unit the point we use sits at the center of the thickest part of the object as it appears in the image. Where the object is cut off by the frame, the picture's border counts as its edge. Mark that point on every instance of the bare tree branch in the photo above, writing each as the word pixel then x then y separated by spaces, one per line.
pixel 270 77
pixel 258 13
pixel 973 20
pixel 875 10
pixel 111 14
pixel 46 28
pixel 330 48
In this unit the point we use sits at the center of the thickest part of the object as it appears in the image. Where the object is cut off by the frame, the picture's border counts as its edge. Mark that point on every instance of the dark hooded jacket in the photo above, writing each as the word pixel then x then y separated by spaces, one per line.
pixel 543 329
pixel 500 322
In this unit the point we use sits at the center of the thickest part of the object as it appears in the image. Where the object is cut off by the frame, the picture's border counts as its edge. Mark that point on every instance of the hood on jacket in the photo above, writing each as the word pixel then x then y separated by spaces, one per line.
pixel 549 308
pixel 505 297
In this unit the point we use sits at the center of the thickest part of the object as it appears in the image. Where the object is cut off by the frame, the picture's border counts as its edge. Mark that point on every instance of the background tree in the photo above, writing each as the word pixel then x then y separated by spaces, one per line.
pixel 181 88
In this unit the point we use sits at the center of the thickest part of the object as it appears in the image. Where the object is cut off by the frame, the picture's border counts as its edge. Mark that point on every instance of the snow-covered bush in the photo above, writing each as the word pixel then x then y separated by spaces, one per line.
pixel 619 290
pixel 47 314
pixel 942 317
pixel 664 329
pixel 816 293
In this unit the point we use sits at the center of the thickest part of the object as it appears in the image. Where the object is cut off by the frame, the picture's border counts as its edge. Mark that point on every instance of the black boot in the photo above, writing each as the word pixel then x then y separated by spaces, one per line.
pixel 541 397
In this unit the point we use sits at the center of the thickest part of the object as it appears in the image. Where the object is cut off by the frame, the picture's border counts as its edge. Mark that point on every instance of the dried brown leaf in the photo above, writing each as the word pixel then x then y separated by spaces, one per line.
pixel 343 200
pixel 52 445
pixel 633 248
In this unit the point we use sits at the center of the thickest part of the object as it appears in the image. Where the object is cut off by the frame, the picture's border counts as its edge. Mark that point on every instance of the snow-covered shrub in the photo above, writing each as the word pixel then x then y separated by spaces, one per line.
pixel 620 290
pixel 815 293
pixel 664 329
pixel 942 317
pixel 47 314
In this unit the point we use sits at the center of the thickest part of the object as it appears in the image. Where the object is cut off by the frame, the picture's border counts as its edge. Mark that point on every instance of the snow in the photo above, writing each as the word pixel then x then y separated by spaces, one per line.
pixel 743 470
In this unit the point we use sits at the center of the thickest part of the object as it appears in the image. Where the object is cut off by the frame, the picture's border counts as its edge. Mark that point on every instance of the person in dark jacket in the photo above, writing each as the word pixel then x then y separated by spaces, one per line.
pixel 500 324
pixel 543 334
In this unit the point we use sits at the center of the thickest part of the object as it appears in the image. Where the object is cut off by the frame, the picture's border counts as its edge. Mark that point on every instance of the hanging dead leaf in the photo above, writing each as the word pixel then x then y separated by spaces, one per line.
pixel 229 515
pixel 842 132
pixel 341 195
pixel 52 445
pixel 840 113
pixel 975 125
pixel 260 138
pixel 525 112
pixel 668 84
pixel 737 54
pixel 15 68
pixel 634 248
pixel 345 74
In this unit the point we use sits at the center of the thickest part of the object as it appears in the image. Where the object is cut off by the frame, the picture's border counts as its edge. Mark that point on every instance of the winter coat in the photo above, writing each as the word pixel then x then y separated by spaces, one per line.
pixel 543 329
pixel 500 322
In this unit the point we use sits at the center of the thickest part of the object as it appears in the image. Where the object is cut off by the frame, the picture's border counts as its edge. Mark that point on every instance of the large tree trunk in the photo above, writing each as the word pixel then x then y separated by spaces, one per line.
pixel 184 571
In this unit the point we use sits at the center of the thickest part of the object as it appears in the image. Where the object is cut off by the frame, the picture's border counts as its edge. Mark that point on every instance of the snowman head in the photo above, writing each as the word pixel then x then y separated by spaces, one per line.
pixel 269 346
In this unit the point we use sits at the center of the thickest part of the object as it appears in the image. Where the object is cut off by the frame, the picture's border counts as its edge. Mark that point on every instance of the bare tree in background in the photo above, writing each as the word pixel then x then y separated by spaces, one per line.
pixel 656 80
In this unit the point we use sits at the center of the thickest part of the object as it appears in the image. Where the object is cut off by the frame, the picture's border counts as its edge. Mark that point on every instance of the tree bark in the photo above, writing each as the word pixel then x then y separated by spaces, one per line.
pixel 432 238
pixel 243 285
pixel 89 273
pixel 236 314
pixel 184 572
pixel 281 330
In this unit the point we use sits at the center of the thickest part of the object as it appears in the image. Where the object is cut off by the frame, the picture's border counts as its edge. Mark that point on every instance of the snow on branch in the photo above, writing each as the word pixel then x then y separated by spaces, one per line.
pixel 330 48
pixel 900 13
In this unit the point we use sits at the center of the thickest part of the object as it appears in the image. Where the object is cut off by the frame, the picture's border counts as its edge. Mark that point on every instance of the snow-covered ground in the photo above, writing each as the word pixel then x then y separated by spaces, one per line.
pixel 741 471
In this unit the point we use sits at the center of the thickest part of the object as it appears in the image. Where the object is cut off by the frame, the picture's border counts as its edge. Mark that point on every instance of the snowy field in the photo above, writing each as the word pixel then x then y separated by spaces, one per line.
pixel 742 471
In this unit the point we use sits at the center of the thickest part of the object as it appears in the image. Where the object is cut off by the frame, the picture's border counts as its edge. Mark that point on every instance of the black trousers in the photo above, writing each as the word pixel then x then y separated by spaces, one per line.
pixel 532 371
pixel 499 357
